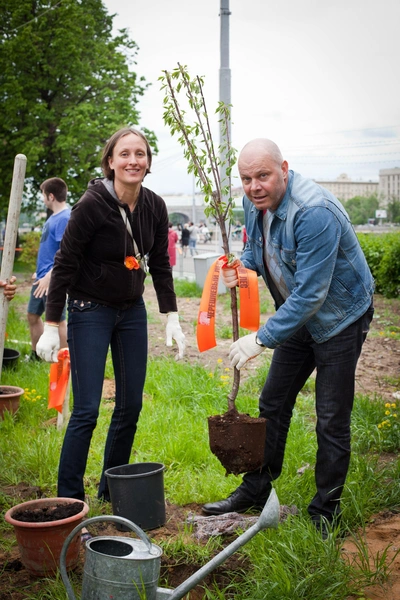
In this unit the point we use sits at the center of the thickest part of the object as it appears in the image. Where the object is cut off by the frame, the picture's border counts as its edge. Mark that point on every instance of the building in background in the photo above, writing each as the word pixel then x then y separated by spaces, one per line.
pixel 389 185
pixel 345 188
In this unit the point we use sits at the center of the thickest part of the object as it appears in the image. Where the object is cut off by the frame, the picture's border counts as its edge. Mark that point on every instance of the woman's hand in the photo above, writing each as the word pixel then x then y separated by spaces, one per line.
pixel 174 331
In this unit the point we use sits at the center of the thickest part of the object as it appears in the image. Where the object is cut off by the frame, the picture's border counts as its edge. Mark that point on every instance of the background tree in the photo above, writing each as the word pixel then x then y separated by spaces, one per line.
pixel 361 208
pixel 393 210
pixel 66 84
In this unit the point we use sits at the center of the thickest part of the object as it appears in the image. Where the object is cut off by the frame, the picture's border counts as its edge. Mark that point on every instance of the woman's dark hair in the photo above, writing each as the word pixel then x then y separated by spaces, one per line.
pixel 109 149
pixel 55 186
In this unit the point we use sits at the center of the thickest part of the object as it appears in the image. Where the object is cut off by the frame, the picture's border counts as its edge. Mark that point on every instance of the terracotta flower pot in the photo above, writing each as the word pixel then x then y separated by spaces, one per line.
pixel 9 398
pixel 40 542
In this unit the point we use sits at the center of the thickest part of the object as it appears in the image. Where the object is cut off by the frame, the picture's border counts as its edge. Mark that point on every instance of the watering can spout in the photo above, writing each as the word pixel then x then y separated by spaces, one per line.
pixel 120 567
pixel 269 518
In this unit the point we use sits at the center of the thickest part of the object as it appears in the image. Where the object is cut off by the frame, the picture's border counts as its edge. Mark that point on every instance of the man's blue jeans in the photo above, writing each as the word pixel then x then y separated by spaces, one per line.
pixel 293 362
pixel 92 328
pixel 192 246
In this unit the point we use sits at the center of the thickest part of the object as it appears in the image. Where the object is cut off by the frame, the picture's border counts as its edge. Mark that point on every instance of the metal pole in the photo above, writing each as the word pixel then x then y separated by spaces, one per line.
pixel 7 262
pixel 224 86
pixel 224 72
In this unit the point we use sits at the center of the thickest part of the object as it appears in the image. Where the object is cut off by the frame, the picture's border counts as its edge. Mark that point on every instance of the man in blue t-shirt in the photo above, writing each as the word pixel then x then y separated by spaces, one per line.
pixel 55 198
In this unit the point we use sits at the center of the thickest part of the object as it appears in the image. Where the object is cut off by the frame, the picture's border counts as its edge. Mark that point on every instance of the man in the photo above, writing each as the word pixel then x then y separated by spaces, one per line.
pixel 9 287
pixel 300 240
pixel 55 198
pixel 193 233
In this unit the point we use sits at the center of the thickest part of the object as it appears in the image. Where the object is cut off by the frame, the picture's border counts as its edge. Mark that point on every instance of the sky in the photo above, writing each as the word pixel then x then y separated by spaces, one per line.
pixel 318 77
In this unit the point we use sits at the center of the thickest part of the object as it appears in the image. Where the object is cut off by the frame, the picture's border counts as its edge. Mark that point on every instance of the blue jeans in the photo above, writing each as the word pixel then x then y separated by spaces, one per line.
pixel 92 328
pixel 293 362
pixel 192 246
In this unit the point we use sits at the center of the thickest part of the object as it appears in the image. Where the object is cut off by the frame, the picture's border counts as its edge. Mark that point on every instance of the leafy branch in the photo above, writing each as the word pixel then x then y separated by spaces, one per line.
pixel 186 114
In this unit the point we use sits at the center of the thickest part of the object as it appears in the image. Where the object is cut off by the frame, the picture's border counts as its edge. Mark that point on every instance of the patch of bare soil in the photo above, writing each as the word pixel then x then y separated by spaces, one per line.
pixel 16 582
pixel 377 374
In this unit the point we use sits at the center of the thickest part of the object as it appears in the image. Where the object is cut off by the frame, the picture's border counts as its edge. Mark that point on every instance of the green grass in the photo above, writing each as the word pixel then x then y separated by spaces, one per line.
pixel 290 563
pixel 187 289
pixel 386 320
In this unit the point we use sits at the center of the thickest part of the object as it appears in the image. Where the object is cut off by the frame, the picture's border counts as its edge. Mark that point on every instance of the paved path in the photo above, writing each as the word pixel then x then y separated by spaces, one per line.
pixel 186 268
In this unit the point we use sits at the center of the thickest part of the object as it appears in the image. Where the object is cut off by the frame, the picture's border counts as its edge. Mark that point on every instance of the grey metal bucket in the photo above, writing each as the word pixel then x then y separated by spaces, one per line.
pixel 137 493
pixel 120 567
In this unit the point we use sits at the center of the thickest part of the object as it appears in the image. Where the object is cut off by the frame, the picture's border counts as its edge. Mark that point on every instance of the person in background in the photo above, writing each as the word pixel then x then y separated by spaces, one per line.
pixel 193 233
pixel 244 237
pixel 101 265
pixel 172 239
pixel 301 241
pixel 205 234
pixel 55 199
pixel 185 235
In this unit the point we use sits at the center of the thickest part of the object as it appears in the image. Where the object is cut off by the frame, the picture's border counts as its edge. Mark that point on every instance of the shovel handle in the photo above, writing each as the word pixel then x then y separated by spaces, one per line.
pixel 63 568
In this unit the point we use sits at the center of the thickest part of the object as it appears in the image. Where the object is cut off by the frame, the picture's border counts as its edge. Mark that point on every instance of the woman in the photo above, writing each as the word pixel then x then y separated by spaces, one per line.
pixel 185 239
pixel 101 264
pixel 172 239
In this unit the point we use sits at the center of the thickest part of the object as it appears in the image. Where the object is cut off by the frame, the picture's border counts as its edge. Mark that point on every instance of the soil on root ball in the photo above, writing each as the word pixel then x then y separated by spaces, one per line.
pixel 238 441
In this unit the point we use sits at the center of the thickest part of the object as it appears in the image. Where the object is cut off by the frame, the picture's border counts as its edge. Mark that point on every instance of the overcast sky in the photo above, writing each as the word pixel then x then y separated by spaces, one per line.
pixel 319 77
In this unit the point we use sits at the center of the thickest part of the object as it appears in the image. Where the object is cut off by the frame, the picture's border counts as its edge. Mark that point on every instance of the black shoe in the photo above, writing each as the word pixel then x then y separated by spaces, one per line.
pixel 236 502
pixel 327 528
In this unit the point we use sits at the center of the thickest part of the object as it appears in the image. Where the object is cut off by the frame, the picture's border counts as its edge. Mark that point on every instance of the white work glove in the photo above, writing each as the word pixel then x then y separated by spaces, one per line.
pixel 244 349
pixel 49 343
pixel 229 274
pixel 174 331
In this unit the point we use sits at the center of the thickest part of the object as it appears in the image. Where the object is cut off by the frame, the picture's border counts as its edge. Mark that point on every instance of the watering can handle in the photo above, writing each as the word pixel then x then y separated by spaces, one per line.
pixel 112 518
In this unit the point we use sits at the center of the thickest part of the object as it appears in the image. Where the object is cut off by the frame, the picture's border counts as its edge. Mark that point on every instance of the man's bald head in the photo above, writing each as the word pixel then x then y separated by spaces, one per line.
pixel 264 173
pixel 262 146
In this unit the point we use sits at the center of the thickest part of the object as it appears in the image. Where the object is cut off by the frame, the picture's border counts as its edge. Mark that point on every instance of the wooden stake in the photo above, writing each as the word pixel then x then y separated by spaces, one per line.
pixel 10 241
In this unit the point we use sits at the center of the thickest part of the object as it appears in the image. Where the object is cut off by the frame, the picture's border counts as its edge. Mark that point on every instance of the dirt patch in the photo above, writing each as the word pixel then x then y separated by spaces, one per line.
pixel 377 375
pixel 378 369
pixel 16 581
pixel 381 537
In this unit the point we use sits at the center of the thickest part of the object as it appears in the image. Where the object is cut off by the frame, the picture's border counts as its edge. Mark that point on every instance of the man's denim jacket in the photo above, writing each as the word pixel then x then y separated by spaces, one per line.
pixel 322 263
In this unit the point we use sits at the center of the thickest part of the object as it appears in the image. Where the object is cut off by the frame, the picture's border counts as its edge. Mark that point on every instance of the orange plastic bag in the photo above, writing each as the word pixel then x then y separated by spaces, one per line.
pixel 249 303
pixel 59 375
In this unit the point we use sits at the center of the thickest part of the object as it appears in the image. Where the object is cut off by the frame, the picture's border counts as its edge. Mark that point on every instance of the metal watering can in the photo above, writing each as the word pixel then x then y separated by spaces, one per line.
pixel 122 568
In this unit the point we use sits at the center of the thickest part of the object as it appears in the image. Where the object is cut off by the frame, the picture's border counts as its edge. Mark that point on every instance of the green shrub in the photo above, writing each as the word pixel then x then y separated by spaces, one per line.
pixel 373 249
pixel 383 257
pixel 30 247
pixel 389 269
